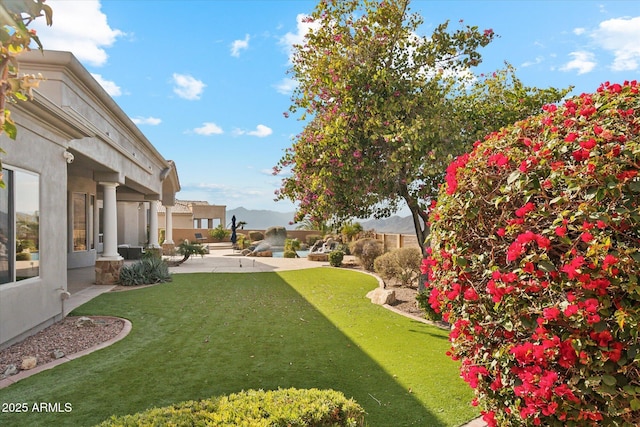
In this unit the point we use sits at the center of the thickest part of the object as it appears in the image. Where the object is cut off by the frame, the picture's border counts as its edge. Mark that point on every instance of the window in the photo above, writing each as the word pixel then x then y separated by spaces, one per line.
pixel 19 226
pixel 79 222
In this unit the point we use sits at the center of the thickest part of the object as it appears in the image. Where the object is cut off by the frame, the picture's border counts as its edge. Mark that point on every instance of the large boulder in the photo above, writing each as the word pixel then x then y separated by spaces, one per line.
pixel 275 236
pixel 382 296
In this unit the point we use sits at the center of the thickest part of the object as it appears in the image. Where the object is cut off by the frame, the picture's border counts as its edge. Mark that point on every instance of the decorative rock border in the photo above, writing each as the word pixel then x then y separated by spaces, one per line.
pixel 27 373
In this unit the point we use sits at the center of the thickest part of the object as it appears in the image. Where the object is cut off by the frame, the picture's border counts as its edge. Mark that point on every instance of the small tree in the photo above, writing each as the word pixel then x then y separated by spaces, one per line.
pixel 188 249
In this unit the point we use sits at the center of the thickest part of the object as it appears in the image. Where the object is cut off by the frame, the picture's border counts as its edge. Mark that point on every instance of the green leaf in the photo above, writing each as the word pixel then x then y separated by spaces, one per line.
pixel 635 404
pixel 513 176
pixel 609 380
pixel 546 266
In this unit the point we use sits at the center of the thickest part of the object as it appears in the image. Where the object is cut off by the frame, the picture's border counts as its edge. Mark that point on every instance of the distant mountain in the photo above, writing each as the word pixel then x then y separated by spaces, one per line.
pixel 393 224
pixel 261 219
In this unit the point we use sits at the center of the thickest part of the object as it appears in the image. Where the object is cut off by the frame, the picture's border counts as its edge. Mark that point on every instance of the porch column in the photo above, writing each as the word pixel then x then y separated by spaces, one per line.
pixel 96 225
pixel 109 264
pixel 168 231
pixel 153 224
pixel 110 238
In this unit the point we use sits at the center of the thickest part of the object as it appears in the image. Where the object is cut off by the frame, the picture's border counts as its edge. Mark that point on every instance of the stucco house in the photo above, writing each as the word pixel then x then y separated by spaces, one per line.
pixel 81 179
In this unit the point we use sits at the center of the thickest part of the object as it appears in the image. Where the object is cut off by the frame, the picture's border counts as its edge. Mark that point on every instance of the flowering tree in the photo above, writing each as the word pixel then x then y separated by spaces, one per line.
pixel 15 38
pixel 381 110
pixel 534 256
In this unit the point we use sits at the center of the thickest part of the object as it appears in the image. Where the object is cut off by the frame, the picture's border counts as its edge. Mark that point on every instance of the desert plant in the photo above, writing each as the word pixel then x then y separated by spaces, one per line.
pixel 534 254
pixel 401 265
pixel 366 251
pixel 188 249
pixel 282 407
pixel 351 230
pixel 219 233
pixel 149 270
pixel 292 244
pixel 335 258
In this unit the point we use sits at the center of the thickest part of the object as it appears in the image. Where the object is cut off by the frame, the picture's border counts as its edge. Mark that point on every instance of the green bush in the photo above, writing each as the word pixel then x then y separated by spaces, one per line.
pixel 312 239
pixel 255 236
pixel 401 265
pixel 23 256
pixel 148 270
pixel 335 258
pixel 292 244
pixel 219 233
pixel 533 258
pixel 289 253
pixel 367 250
pixel 281 408
pixel 422 297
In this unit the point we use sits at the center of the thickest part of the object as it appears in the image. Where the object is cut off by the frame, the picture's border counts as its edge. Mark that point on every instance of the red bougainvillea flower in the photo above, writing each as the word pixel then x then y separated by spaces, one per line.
pixel 535 247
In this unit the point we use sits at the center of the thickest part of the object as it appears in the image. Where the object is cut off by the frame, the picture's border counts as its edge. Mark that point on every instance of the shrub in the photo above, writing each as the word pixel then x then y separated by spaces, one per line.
pixel 284 407
pixel 219 233
pixel 351 230
pixel 367 250
pixel 402 265
pixel 313 238
pixel 335 258
pixel 535 245
pixel 255 236
pixel 422 297
pixel 292 244
pixel 290 253
pixel 148 270
pixel 23 256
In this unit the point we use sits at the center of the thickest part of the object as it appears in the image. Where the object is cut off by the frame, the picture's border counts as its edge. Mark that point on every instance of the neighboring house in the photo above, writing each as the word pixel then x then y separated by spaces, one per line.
pixel 80 179
pixel 194 214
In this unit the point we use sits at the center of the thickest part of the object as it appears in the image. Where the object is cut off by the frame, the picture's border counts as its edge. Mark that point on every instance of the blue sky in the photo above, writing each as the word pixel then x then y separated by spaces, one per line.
pixel 206 81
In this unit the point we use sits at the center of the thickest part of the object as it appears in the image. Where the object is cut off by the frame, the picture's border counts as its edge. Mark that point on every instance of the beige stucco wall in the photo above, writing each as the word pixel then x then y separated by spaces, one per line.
pixel 29 304
pixel 72 113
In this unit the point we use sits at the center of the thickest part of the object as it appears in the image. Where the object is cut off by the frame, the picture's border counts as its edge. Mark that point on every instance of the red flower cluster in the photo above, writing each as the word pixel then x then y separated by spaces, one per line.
pixel 535 243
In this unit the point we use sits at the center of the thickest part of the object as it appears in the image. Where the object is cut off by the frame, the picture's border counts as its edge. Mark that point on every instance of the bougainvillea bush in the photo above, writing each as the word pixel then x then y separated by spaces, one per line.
pixel 533 259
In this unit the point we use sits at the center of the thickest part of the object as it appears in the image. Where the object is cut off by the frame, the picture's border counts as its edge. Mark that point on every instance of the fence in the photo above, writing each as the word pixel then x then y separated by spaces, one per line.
pixel 395 241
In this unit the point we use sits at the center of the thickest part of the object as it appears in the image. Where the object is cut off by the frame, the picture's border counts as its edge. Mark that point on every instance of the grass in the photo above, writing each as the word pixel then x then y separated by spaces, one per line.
pixel 205 334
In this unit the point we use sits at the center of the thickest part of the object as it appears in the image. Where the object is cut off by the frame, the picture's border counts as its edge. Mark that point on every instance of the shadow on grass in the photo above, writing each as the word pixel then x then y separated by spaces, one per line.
pixel 210 334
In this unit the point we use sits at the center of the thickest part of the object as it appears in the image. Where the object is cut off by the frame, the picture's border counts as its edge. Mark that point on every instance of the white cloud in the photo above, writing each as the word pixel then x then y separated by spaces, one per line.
pixel 187 87
pixel 79 27
pixel 620 37
pixel 108 85
pixel 297 38
pixel 582 61
pixel 239 45
pixel 261 131
pixel 209 128
pixel 538 60
pixel 286 86
pixel 153 121
pixel 579 31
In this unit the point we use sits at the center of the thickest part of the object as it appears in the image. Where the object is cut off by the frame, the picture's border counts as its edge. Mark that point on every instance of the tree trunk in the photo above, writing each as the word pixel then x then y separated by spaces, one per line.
pixel 420 218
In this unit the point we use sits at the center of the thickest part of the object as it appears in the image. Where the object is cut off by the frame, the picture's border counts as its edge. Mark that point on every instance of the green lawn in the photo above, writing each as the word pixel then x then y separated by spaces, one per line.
pixel 210 334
